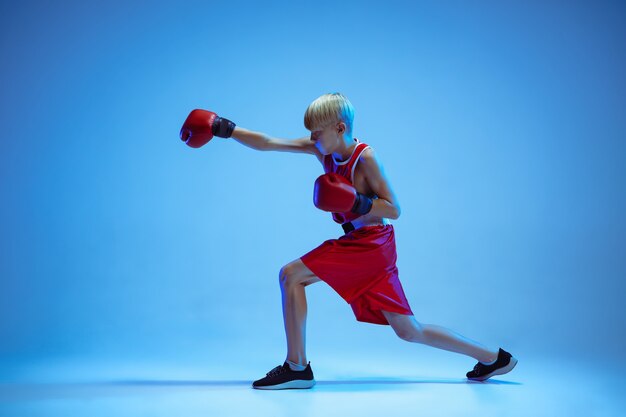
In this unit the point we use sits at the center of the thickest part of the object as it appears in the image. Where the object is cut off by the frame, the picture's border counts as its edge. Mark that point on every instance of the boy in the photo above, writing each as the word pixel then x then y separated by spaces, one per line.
pixel 361 265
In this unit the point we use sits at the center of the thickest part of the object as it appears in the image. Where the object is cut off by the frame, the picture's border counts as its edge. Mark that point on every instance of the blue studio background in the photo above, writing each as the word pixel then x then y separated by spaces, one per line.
pixel 501 127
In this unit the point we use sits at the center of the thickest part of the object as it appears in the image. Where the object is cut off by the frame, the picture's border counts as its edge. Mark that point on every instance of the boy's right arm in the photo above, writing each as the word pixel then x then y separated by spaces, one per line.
pixel 201 125
pixel 262 142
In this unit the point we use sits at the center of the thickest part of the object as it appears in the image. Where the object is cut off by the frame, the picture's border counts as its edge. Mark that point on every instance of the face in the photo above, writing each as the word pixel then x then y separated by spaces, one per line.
pixel 326 139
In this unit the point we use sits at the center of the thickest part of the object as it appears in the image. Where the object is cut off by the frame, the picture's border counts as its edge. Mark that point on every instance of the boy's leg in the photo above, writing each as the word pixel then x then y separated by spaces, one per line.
pixel 293 278
pixel 407 328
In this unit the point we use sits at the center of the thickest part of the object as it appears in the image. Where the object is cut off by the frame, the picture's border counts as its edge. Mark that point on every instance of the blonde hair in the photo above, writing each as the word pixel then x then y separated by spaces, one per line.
pixel 327 109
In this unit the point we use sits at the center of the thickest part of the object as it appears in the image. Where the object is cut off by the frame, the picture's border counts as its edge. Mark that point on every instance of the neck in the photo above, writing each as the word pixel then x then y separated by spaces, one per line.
pixel 345 148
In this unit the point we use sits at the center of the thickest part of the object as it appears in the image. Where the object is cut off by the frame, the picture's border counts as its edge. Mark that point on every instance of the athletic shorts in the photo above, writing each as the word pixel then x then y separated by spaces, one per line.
pixel 361 267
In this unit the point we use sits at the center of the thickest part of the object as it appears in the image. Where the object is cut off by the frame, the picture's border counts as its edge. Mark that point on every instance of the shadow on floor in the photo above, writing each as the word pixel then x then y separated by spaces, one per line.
pixel 354 381
pixel 130 387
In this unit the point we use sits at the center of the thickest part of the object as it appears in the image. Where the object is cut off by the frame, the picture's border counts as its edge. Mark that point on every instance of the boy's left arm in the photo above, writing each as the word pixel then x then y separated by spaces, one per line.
pixel 386 205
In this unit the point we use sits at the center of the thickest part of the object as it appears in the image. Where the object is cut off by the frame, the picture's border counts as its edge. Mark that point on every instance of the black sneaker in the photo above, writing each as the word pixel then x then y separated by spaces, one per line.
pixel 282 377
pixel 505 363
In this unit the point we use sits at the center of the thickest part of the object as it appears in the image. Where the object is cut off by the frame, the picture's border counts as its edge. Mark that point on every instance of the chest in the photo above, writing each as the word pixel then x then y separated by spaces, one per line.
pixel 359 179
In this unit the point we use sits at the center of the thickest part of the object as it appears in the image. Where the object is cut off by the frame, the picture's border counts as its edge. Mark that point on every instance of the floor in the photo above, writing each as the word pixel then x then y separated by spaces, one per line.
pixel 425 387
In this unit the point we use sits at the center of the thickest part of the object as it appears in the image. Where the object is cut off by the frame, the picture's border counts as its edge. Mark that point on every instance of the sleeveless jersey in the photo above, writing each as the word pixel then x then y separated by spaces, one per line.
pixel 346 170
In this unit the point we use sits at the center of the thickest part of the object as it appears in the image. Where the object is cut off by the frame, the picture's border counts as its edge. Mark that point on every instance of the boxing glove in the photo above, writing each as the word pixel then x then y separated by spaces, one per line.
pixel 334 193
pixel 201 125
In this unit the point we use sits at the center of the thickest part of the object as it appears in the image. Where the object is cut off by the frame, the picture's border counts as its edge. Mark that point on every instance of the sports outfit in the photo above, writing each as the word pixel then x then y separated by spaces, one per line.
pixel 361 265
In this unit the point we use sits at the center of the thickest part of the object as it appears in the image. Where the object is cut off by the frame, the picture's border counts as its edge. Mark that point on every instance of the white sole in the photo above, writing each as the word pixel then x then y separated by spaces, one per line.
pixel 500 371
pixel 295 384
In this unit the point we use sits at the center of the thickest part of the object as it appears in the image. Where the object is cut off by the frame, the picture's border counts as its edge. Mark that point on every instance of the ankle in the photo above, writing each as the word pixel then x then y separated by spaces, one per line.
pixel 296 366
pixel 297 359
pixel 489 359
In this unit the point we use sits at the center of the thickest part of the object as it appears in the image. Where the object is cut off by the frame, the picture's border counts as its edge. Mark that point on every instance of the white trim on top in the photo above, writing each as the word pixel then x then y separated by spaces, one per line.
pixel 347 160
pixel 355 162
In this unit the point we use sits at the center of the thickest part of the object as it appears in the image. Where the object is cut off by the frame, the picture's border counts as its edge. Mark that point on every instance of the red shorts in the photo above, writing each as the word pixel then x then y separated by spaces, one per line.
pixel 361 267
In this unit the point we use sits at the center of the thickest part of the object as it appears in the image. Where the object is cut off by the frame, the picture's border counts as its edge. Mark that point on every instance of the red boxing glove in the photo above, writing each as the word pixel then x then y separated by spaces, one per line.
pixel 202 125
pixel 334 193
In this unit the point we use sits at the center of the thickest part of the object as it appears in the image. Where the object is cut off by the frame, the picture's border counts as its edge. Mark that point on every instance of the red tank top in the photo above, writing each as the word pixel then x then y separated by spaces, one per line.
pixel 346 170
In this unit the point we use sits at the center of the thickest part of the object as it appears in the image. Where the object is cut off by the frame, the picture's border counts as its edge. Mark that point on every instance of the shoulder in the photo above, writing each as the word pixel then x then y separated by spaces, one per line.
pixel 368 157
pixel 371 164
pixel 368 153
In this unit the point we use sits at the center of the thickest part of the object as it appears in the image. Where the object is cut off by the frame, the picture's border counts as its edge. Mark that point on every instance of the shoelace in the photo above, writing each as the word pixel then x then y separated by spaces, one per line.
pixel 478 368
pixel 276 371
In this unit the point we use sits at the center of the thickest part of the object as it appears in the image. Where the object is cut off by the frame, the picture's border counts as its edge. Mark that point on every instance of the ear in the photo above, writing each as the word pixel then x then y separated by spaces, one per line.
pixel 341 127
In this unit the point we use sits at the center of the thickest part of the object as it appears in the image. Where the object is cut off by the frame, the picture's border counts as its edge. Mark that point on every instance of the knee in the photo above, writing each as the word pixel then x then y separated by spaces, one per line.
pixel 405 334
pixel 411 333
pixel 287 276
